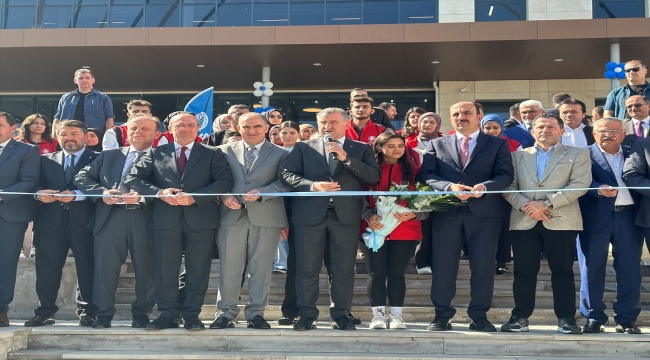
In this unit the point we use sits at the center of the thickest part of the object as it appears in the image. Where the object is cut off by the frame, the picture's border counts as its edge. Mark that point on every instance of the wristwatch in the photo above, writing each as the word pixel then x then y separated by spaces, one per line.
pixel 548 203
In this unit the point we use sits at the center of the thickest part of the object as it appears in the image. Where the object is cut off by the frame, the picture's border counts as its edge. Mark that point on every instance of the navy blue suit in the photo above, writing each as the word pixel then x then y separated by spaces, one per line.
pixel 604 225
pixel 478 223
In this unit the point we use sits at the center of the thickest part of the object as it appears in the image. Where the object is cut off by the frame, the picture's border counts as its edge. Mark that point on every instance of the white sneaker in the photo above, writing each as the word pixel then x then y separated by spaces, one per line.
pixel 379 322
pixel 425 271
pixel 396 322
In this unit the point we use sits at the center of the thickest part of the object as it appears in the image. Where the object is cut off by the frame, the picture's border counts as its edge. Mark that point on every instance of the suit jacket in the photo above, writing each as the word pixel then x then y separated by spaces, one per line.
pixel 510 123
pixel 20 169
pixel 568 167
pixel 265 175
pixel 489 164
pixel 630 137
pixel 589 134
pixel 206 172
pixel 53 177
pixel 596 209
pixel 636 173
pixel 306 164
pixel 104 173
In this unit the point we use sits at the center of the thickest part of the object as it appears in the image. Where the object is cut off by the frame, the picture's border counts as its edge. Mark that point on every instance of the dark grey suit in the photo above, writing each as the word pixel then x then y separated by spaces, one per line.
pixel 316 223
pixel 118 230
pixel 20 169
pixel 636 173
pixel 182 228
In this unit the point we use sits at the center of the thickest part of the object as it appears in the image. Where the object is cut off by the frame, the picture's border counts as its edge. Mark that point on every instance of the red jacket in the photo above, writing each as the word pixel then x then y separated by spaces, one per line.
pixel 170 138
pixel 44 146
pixel 369 132
pixel 392 173
pixel 513 144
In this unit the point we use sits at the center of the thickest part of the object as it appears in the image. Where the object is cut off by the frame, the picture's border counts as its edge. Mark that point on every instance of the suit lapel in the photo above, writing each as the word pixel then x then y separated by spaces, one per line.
pixel 628 124
pixel 265 151
pixel 481 139
pixel 169 152
pixel 348 147
pixel 240 154
pixel 7 150
pixel 195 154
pixel 451 145
pixel 118 165
pixel 530 161
pixel 319 145
pixel 557 155
pixel 599 158
pixel 58 157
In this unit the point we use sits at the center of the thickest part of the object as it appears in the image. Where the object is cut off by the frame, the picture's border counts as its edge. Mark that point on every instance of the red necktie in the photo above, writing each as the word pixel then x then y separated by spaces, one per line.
pixel 182 160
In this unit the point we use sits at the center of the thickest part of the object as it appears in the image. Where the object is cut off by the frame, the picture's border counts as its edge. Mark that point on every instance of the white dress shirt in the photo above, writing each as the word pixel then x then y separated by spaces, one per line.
pixel 574 137
pixel 616 162
pixel 472 141
pixel 4 145
pixel 177 149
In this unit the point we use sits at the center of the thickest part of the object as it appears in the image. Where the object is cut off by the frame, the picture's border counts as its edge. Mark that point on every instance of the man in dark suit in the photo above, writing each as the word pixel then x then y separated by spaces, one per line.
pixel 608 217
pixel 182 222
pixel 469 162
pixel 636 173
pixel 323 165
pixel 515 118
pixel 60 225
pixel 120 224
pixel 20 169
pixel 572 111
pixel 637 126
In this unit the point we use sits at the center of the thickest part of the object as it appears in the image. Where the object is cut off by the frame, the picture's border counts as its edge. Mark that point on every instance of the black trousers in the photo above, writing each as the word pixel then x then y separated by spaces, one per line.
pixel 423 251
pixel 504 248
pixel 289 307
pixel 560 248
pixel 11 243
pixel 388 263
pixel 646 235
pixel 51 253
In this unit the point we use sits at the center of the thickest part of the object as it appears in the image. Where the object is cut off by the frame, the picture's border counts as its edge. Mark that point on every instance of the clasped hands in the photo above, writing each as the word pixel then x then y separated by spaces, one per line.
pixel 48 196
pixel 176 197
pixel 537 210
pixel 232 203
pixel 475 191
pixel 118 198
pixel 374 221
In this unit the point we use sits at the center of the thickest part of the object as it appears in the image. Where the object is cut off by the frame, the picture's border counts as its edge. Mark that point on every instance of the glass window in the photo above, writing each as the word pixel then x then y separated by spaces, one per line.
pixel 90 17
pixel 46 105
pixel 605 9
pixel 380 12
pixel 198 15
pixel 500 10
pixel 342 12
pixel 418 11
pixel 127 16
pixel 19 17
pixel 270 13
pixel 234 13
pixel 90 2
pixel 306 12
pixel 19 2
pixel 18 106
pixel 304 107
pixel 162 15
pixel 55 2
pixel 127 2
pixel 55 17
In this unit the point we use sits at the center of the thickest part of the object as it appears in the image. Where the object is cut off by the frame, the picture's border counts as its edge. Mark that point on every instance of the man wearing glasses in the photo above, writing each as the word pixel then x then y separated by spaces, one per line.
pixel 636 126
pixel 635 72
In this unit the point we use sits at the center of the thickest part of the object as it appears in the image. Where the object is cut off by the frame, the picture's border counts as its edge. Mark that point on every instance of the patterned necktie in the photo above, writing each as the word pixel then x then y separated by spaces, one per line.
pixel 333 162
pixel 639 130
pixel 250 157
pixel 123 188
pixel 464 151
pixel 69 169
pixel 182 160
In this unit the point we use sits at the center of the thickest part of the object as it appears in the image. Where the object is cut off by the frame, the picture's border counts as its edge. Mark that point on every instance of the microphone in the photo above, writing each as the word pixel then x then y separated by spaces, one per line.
pixel 328 138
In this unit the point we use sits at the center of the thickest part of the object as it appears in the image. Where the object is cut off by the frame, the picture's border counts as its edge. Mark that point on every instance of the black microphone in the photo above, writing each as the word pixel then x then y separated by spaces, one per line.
pixel 328 138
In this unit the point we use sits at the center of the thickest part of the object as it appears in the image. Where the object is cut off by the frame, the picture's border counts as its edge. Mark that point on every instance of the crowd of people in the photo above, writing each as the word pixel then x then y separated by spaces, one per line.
pixel 554 184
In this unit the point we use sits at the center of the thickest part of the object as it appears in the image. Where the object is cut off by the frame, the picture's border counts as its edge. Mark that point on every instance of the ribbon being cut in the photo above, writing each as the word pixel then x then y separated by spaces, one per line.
pixel 388 206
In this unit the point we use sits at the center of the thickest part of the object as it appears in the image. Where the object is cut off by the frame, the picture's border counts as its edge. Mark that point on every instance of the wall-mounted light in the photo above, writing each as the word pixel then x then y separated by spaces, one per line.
pixel 465 89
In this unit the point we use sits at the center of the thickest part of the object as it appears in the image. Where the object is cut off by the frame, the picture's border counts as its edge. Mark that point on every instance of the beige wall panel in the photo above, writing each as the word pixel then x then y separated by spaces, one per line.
pixel 501 96
pixel 603 84
pixel 389 33
pixel 502 86
pixel 12 38
pixel 538 85
pixel 570 85
pixel 453 87
pixel 450 99
pixel 54 37
pixel 542 96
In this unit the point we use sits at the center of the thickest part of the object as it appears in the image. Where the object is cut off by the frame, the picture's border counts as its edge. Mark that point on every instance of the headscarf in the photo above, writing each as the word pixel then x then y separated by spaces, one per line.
pixel 268 113
pixel 100 135
pixel 434 134
pixel 493 117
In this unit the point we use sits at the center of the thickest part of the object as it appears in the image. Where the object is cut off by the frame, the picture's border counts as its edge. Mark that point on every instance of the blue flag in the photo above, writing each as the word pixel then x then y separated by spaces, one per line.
pixel 201 106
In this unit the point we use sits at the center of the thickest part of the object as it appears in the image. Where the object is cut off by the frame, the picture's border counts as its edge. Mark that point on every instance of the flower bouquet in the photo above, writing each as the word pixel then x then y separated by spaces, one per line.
pixel 386 206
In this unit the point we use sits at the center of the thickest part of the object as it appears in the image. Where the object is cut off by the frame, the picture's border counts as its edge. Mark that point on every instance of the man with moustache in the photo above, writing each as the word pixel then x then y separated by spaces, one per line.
pixel 120 225
pixel 180 221
pixel 61 224
pixel 469 162
pixel 635 73
pixel 636 126
pixel 20 169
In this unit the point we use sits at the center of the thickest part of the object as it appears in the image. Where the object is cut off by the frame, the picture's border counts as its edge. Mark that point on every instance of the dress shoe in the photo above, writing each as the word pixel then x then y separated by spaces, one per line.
pixel 343 323
pixel 502 271
pixel 287 320
pixel 86 320
pixel 222 322
pixel 592 327
pixel 4 320
pixel 353 320
pixel 140 321
pixel 40 320
pixel 482 324
pixel 304 324
pixel 162 323
pixel 439 323
pixel 193 323
pixel 628 328
pixel 258 322
pixel 102 322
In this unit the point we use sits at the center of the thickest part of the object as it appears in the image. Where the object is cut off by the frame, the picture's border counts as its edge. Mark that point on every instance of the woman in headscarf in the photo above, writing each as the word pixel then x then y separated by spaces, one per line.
pixel 274 135
pixel 429 125
pixel 94 139
pixel 306 131
pixel 492 124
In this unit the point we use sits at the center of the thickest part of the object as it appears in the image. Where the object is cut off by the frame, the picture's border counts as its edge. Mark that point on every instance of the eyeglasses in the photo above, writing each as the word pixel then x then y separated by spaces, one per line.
pixel 635 69
pixel 529 112
pixel 613 132
pixel 633 106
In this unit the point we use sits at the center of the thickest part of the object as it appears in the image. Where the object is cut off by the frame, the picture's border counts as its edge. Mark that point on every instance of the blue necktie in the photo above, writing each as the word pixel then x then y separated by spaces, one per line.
pixel 69 170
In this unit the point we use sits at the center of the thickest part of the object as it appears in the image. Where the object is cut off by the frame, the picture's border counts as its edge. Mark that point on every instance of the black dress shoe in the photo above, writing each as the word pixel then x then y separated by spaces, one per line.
pixel 439 323
pixel 140 321
pixel 628 328
pixel 592 327
pixel 304 324
pixel 222 322
pixel 86 320
pixel 502 271
pixel 40 320
pixel 162 323
pixel 482 325
pixel 193 323
pixel 102 322
pixel 353 320
pixel 343 323
pixel 286 320
pixel 258 322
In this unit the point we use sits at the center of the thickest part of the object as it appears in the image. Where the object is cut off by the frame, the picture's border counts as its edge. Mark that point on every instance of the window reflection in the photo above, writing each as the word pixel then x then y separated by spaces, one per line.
pixel 198 15
pixel 380 11
pixel 19 17
pixel 234 13
pixel 127 16
pixel 162 15
pixel 55 17
pixel 342 12
pixel 418 11
pixel 504 10
pixel 307 12
pixel 90 17
pixel 271 13
pixel 618 9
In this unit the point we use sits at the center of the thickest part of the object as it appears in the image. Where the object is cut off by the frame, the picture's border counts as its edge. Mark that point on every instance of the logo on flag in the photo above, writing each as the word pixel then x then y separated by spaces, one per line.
pixel 201 106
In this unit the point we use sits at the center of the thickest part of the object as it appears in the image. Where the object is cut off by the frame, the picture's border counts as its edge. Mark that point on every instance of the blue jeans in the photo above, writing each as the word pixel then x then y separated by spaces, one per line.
pixel 280 259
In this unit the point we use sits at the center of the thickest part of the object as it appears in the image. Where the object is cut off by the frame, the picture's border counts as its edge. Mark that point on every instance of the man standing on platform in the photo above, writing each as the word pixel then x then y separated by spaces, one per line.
pixel 61 224
pixel 331 163
pixel 546 218
pixel 121 225
pixel 608 218
pixel 181 221
pixel 469 162
pixel 635 73
pixel 20 169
